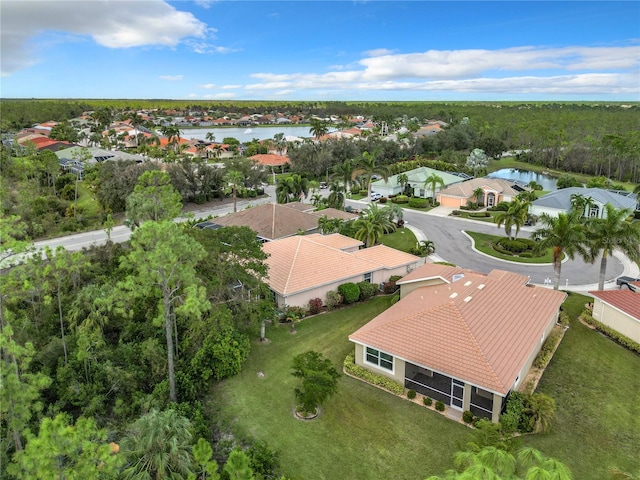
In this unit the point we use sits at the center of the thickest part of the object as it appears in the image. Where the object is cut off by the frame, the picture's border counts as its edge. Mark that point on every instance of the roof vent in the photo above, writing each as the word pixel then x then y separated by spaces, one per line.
pixel 468 299
pixel 457 277
pixel 453 295
pixel 481 286
pixel 467 283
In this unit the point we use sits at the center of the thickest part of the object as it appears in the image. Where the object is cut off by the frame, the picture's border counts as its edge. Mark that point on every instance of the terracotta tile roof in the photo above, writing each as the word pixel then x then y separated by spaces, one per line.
pixel 480 328
pixel 386 256
pixel 304 262
pixel 335 240
pixel 465 189
pixel 625 300
pixel 335 213
pixel 270 160
pixel 432 270
pixel 300 206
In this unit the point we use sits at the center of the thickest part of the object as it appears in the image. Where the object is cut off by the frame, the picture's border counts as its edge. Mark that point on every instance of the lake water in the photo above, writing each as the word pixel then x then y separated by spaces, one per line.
pixel 246 134
pixel 525 176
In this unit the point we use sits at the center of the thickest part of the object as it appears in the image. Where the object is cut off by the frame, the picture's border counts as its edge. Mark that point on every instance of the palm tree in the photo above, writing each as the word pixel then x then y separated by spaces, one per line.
pixel 610 233
pixel 394 212
pixel 336 197
pixel 403 181
pixel 173 135
pixel 478 194
pixel 543 410
pixel 329 225
pixel 235 178
pixel 318 128
pixel 291 188
pixel 637 191
pixel 515 216
pixel 343 171
pixel 158 445
pixel 210 136
pixel 565 234
pixel 433 181
pixel 424 248
pixel 372 224
pixel 368 167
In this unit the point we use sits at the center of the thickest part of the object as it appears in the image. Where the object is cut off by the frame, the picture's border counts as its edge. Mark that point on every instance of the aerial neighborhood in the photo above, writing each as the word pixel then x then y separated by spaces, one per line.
pixel 301 292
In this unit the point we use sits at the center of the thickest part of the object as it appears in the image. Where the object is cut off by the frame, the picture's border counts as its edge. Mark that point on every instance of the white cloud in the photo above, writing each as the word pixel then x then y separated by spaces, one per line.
pixel 230 87
pixel 378 52
pixel 205 3
pixel 221 96
pixel 567 70
pixel 171 78
pixel 207 85
pixel 122 24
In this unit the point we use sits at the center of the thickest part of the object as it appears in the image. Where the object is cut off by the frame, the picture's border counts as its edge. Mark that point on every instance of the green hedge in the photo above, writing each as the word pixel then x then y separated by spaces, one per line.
pixel 547 349
pixel 370 377
pixel 418 202
pixel 400 199
pixel 610 332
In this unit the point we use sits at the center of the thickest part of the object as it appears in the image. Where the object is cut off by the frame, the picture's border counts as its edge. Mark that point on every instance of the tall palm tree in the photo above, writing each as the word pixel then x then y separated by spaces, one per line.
pixel 336 197
pixel 291 188
pixel 158 445
pixel 373 223
pixel 564 234
pixel 329 225
pixel 395 212
pixel 610 233
pixel 478 194
pixel 173 135
pixel 318 128
pixel 433 181
pixel 403 181
pixel 344 172
pixel 366 165
pixel 515 216
pixel 235 178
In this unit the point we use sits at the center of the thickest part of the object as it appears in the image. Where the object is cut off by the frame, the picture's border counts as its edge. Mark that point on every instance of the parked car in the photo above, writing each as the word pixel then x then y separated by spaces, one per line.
pixel 323 185
pixel 375 196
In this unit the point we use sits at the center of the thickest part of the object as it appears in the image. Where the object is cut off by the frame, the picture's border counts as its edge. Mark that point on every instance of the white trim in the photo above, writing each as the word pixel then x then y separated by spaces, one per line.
pixel 392 370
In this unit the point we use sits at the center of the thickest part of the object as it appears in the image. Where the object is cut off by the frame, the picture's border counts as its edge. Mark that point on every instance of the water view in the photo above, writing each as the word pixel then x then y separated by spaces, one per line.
pixel 246 134
pixel 525 176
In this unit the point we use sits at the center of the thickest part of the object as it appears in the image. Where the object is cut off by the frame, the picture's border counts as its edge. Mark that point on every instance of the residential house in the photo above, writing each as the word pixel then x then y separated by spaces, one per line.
pixel 560 201
pixel 305 267
pixel 619 309
pixel 461 337
pixel 273 221
pixel 494 191
pixel 416 185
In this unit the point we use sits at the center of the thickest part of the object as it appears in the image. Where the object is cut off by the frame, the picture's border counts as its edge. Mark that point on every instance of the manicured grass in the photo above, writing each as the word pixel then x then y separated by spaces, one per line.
pixel 362 432
pixel 596 386
pixel 484 242
pixel 402 239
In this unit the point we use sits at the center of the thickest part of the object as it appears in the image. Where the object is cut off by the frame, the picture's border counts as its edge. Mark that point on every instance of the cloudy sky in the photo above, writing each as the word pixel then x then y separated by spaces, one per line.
pixel 310 50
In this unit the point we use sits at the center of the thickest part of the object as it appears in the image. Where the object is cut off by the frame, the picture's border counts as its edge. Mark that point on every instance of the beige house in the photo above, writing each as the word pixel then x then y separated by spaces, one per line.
pixel 495 190
pixel 304 267
pixel 274 220
pixel 620 310
pixel 459 336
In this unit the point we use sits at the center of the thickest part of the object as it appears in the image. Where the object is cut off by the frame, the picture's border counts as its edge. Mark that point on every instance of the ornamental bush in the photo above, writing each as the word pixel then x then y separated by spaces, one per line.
pixel 367 290
pixel 370 377
pixel 315 306
pixel 411 394
pixel 416 202
pixel 427 401
pixel 332 300
pixel 401 199
pixel 440 406
pixel 467 416
pixel 350 292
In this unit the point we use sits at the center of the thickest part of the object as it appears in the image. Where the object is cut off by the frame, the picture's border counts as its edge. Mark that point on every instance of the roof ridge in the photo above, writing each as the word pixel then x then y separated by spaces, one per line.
pixel 293 262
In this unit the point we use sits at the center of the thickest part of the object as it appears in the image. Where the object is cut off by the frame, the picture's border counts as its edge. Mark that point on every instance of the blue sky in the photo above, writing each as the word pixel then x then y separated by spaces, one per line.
pixel 309 50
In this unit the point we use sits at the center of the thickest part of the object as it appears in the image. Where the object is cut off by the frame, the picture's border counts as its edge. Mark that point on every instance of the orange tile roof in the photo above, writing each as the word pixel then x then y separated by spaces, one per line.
pixel 625 300
pixel 304 262
pixel 335 213
pixel 335 240
pixel 386 256
pixel 480 328
pixel 270 160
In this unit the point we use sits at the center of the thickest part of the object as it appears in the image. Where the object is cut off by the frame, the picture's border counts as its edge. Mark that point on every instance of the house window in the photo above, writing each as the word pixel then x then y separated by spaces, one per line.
pixel 595 211
pixel 381 359
pixel 367 277
pixel 483 393
pixel 422 192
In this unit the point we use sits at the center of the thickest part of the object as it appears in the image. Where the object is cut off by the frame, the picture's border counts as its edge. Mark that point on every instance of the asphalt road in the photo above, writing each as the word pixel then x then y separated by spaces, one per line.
pixel 447 234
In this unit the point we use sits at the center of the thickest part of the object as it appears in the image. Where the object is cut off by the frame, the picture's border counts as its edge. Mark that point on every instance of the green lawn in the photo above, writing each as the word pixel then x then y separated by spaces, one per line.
pixel 402 239
pixel 596 385
pixel 363 432
pixel 484 241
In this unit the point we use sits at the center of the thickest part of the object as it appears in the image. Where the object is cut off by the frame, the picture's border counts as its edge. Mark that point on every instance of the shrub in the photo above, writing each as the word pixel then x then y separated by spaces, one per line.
pixel 332 300
pixel 512 246
pixel 296 312
pixel 383 200
pixel 427 401
pixel 355 190
pixel 394 278
pixel 370 377
pixel 315 306
pixel 501 207
pixel 416 202
pixel 401 199
pixel 440 406
pixel 510 419
pixel 617 337
pixel 479 215
pixel 350 292
pixel 467 416
pixel 388 287
pixel 545 352
pixel 411 394
pixel 456 213
pixel 367 290
pixel 563 319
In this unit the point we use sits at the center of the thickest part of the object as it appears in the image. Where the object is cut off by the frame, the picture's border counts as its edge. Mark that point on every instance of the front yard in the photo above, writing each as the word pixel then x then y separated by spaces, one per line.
pixel 364 432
